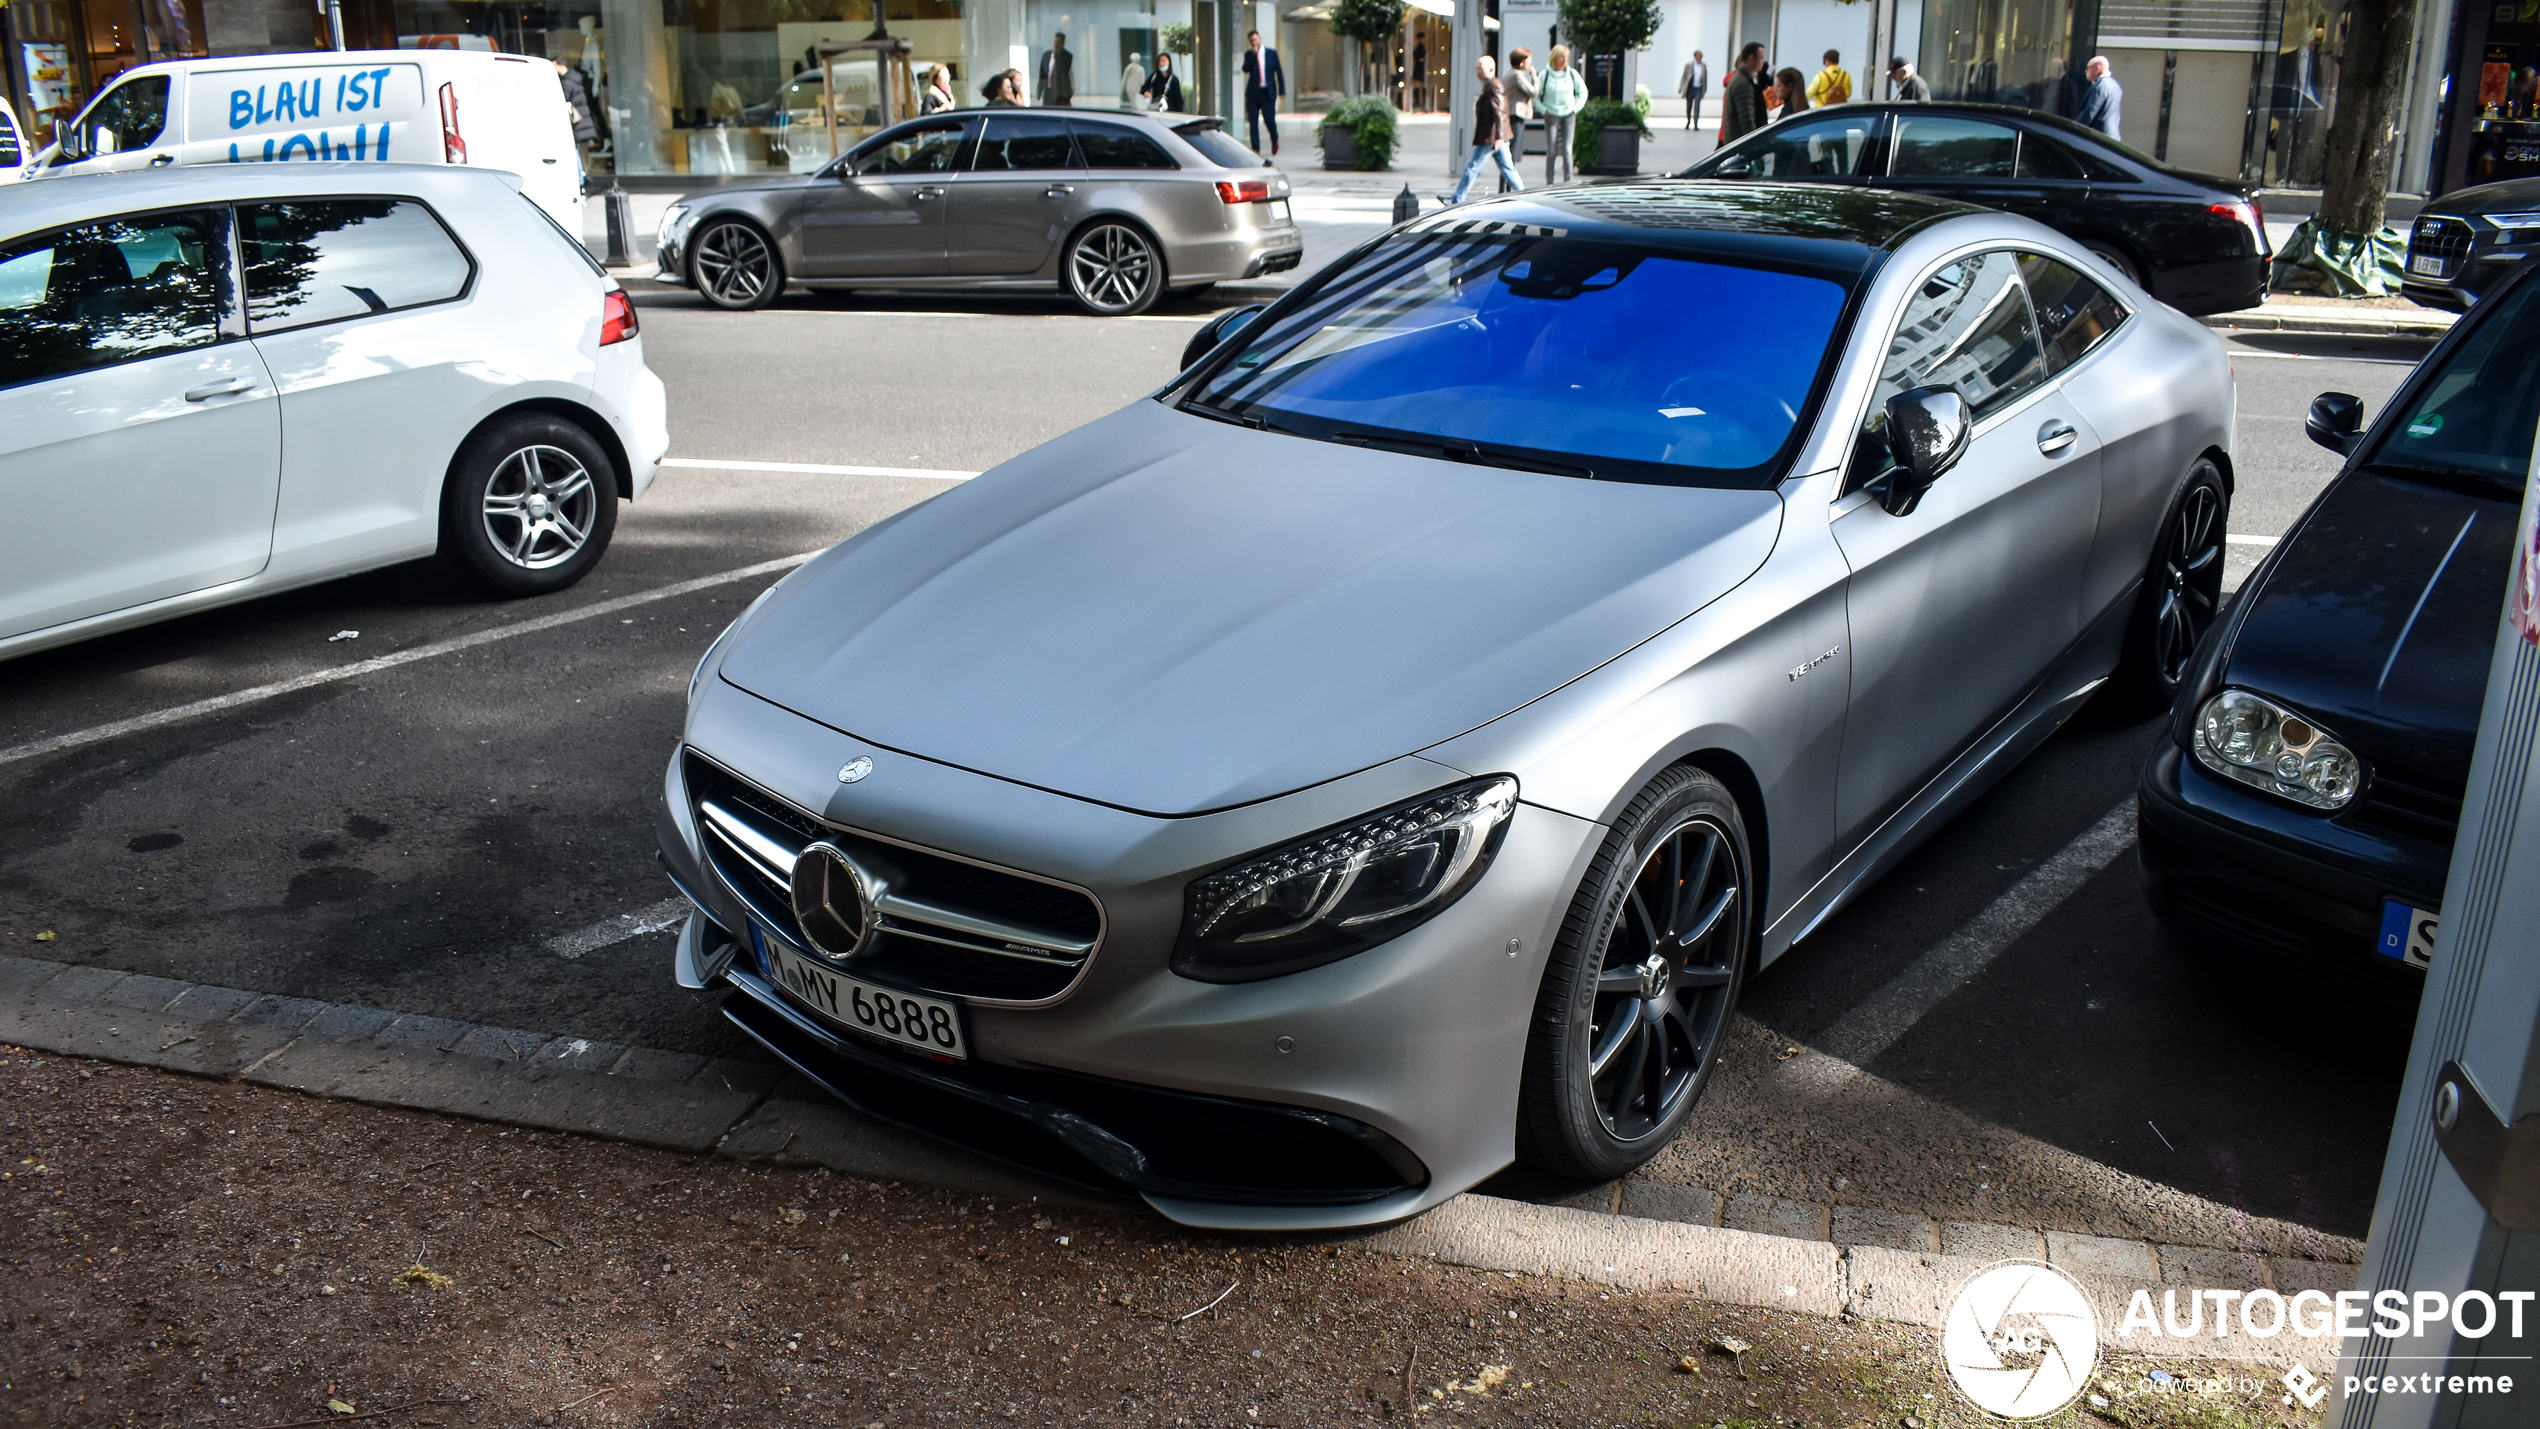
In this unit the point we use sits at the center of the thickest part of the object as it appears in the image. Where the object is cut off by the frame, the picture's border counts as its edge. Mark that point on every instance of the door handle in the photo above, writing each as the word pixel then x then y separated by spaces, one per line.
pixel 930 193
pixel 2056 435
pixel 1058 191
pixel 222 388
pixel 162 160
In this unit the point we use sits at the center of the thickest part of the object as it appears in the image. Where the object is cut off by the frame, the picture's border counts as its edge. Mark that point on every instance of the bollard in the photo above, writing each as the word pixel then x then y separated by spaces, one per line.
pixel 621 217
pixel 1406 205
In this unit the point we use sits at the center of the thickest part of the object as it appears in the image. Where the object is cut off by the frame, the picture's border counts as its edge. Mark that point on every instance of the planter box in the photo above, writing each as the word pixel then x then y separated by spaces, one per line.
pixel 1617 150
pixel 1340 147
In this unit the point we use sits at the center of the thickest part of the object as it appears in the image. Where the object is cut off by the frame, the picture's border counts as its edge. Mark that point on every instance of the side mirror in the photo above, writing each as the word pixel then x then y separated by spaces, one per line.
pixel 1735 166
pixel 2336 421
pixel 1926 434
pixel 1215 331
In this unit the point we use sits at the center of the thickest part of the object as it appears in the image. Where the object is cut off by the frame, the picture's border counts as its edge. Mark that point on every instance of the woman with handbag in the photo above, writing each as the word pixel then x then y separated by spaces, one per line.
pixel 1164 87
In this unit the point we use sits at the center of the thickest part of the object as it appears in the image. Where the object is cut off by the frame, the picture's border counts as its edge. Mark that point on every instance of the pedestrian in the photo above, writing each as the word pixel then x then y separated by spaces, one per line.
pixel 1058 73
pixel 1133 82
pixel 1163 88
pixel 1490 132
pixel 2103 102
pixel 1744 100
pixel 938 95
pixel 1903 84
pixel 578 99
pixel 1264 85
pixel 1694 83
pixel 1790 89
pixel 1832 85
pixel 1004 89
pixel 1524 82
pixel 1559 99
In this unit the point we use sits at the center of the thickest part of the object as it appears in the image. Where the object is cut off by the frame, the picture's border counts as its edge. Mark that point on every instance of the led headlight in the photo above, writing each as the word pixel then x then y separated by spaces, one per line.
pixel 1344 890
pixel 2260 743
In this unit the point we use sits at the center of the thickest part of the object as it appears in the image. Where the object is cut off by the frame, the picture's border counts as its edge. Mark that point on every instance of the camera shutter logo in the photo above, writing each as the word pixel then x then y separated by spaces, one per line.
pixel 2020 1340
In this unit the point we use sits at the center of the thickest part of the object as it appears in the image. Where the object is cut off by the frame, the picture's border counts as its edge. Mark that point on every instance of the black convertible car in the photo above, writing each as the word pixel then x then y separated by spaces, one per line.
pixel 2195 241
pixel 2305 804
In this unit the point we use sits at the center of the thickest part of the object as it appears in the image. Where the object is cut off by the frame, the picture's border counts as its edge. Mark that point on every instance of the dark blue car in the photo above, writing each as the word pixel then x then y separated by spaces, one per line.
pixel 2303 807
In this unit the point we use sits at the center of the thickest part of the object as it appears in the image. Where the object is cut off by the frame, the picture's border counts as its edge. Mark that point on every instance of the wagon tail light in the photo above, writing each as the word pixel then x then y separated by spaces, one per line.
pixel 453 143
pixel 2247 215
pixel 1244 190
pixel 617 317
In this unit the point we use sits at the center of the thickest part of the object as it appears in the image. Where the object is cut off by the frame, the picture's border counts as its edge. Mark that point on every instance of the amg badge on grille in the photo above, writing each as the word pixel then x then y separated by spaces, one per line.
pixel 833 902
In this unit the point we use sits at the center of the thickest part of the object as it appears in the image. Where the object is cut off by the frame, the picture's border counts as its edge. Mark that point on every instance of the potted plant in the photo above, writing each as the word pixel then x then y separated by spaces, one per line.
pixel 1608 141
pixel 1358 133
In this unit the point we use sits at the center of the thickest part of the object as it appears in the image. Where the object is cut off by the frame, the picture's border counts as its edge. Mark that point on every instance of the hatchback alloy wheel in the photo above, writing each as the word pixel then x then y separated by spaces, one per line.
pixel 530 503
pixel 735 268
pixel 1113 270
pixel 539 507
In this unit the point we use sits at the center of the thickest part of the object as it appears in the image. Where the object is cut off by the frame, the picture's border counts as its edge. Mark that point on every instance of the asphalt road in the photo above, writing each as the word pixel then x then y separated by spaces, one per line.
pixel 416 838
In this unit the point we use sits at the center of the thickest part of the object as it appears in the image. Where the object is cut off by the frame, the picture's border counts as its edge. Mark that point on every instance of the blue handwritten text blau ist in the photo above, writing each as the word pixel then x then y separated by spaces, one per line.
pixel 300 100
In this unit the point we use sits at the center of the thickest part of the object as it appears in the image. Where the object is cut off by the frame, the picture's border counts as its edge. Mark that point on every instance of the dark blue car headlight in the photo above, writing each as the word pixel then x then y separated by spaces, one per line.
pixel 1344 890
pixel 2252 740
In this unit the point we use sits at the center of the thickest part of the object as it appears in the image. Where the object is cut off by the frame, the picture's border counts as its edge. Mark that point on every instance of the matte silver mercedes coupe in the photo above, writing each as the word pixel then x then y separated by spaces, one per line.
pixel 1382 755
pixel 1112 209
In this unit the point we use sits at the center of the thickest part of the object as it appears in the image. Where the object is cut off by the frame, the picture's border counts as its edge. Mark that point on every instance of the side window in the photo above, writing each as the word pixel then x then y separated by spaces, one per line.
pixel 105 293
pixel 10 152
pixel 1967 327
pixel 128 117
pixel 935 150
pixel 320 260
pixel 1110 146
pixel 2074 314
pixel 1940 147
pixel 2042 158
pixel 1810 149
pixel 1025 141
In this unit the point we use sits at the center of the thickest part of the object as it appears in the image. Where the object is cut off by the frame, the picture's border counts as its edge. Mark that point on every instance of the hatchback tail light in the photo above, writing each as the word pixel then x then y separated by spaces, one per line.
pixel 617 317
pixel 1244 190
pixel 453 143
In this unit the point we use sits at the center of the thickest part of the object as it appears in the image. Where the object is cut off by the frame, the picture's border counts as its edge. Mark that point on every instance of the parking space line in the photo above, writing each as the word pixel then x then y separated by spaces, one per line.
pixel 1859 1036
pixel 807 468
pixel 660 918
pixel 2251 540
pixel 177 714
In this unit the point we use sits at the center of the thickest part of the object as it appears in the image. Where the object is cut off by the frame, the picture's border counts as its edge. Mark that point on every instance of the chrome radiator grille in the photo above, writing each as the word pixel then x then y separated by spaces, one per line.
pixel 946 926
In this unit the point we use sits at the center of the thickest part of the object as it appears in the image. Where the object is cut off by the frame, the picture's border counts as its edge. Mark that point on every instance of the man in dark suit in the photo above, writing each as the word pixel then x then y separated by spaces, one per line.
pixel 1058 74
pixel 1265 84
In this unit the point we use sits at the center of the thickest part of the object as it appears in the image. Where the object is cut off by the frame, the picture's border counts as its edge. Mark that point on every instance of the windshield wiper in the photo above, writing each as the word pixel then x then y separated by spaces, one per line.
pixel 1472 453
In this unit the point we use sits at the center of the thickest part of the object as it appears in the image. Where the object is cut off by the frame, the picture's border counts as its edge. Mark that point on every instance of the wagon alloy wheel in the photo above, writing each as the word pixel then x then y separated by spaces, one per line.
pixel 539 507
pixel 1113 270
pixel 735 268
pixel 2191 565
pixel 1633 1011
pixel 1662 990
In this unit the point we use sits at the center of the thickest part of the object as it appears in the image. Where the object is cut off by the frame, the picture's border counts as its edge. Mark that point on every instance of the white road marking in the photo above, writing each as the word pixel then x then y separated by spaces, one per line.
pixel 2251 540
pixel 1887 1014
pixel 661 917
pixel 177 714
pixel 2321 357
pixel 808 468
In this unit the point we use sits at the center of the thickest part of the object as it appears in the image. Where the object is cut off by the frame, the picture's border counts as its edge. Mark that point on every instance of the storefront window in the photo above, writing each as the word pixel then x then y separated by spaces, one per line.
pixel 1081 49
pixel 2002 52
pixel 61 52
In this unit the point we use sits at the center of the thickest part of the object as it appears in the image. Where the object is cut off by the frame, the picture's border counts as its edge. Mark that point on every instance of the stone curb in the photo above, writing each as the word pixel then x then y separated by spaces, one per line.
pixel 2340 325
pixel 1749 1250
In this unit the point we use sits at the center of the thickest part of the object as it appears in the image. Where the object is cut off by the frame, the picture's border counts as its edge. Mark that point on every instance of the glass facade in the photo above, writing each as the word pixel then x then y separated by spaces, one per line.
pixel 2002 52
pixel 59 53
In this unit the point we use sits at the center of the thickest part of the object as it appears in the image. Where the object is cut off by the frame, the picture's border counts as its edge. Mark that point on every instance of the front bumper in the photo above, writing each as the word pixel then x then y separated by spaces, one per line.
pixel 2228 868
pixel 1351 1094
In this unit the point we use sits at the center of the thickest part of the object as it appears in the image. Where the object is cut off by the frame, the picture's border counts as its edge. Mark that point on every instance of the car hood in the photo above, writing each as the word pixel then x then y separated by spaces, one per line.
pixel 2379 619
pixel 1171 615
pixel 2489 198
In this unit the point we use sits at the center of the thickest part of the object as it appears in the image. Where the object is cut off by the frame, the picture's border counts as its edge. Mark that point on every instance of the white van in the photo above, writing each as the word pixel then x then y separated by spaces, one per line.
pixel 488 111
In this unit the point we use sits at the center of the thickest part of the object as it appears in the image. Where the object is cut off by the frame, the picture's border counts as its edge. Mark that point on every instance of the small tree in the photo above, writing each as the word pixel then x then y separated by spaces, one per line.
pixel 1373 23
pixel 1610 27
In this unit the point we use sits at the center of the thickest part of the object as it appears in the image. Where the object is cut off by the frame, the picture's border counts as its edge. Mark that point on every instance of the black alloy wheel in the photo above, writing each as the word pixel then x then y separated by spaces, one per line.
pixel 2182 589
pixel 734 266
pixel 1113 270
pixel 2116 258
pixel 1636 997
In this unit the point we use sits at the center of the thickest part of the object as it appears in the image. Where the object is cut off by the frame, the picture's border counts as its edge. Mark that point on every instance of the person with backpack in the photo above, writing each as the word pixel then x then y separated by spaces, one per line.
pixel 1832 85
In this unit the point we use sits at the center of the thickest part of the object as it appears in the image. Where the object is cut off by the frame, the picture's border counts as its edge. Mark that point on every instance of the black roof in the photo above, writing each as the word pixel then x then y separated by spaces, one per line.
pixel 2061 128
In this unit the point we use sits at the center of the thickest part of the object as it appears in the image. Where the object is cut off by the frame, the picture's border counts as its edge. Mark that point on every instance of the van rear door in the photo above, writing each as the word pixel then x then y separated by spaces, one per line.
pixel 514 118
pixel 369 107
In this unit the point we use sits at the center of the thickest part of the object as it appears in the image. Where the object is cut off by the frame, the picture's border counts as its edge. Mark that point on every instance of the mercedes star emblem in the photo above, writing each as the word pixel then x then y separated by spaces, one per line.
pixel 855 769
pixel 833 902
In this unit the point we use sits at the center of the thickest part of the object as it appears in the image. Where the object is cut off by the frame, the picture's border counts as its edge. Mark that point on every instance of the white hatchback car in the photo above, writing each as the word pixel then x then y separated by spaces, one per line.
pixel 220 382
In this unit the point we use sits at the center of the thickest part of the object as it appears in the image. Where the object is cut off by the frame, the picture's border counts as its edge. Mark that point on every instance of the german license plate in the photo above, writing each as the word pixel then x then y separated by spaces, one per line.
pixel 903 1019
pixel 2426 266
pixel 2407 933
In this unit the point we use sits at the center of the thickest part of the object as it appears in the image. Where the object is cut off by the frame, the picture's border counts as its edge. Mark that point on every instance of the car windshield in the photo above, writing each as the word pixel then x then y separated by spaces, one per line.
pixel 2475 419
pixel 1523 346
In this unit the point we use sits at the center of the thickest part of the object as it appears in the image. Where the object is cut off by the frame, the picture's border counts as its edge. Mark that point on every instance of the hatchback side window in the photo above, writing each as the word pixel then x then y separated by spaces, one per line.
pixel 129 117
pixel 1025 141
pixel 321 260
pixel 1830 147
pixel 1112 146
pixel 111 292
pixel 935 150
pixel 1941 147
pixel 2074 314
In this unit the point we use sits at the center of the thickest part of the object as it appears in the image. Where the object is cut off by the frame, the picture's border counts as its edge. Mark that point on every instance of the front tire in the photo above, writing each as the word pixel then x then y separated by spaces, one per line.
pixel 1113 270
pixel 530 504
pixel 733 266
pixel 2116 258
pixel 1634 1009
pixel 2182 590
